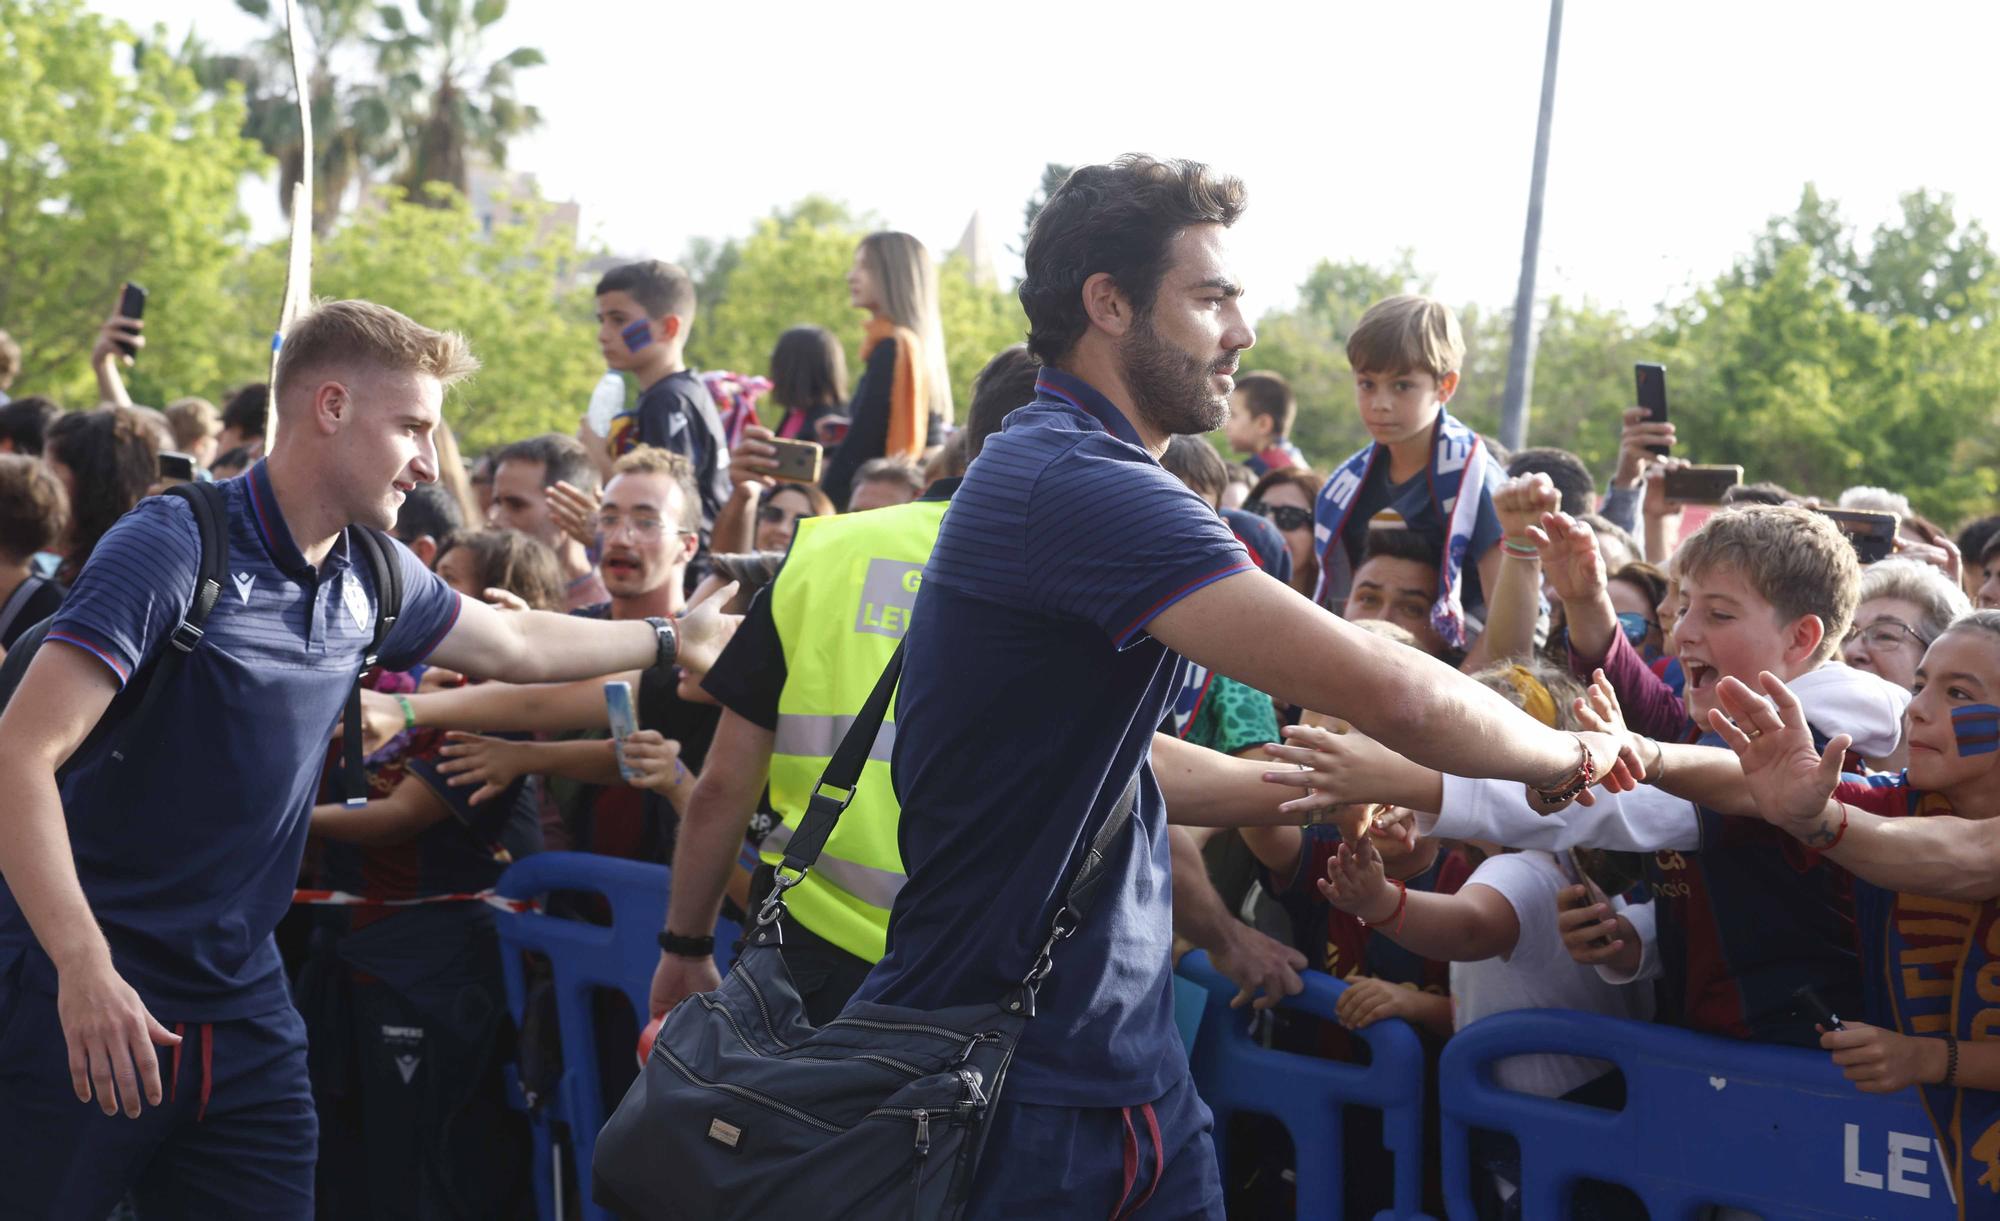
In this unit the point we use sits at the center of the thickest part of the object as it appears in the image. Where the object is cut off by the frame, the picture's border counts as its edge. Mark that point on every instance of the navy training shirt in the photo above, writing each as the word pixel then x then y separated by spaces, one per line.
pixel 1029 698
pixel 188 847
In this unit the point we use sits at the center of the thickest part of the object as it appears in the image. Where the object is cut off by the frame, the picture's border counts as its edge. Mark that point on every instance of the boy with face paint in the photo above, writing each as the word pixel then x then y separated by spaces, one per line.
pixel 1927 900
pixel 644 312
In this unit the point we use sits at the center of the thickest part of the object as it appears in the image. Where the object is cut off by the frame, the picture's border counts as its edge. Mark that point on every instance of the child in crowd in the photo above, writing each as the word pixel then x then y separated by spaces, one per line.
pixel 644 313
pixel 1927 904
pixel 1261 411
pixel 1424 469
pixel 1499 933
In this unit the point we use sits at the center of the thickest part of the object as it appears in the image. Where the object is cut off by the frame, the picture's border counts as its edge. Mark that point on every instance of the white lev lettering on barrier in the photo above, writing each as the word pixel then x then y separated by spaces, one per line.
pixel 1906 1164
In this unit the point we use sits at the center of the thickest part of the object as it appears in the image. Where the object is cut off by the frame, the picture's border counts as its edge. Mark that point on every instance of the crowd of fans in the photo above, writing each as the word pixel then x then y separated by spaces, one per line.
pixel 1709 899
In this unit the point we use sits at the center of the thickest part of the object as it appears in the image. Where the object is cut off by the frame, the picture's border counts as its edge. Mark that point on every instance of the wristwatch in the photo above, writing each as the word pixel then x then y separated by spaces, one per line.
pixel 669 642
pixel 687 947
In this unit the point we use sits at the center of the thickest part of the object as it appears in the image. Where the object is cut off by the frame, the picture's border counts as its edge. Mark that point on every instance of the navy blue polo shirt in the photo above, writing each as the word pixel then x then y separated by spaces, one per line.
pixel 188 847
pixel 1029 698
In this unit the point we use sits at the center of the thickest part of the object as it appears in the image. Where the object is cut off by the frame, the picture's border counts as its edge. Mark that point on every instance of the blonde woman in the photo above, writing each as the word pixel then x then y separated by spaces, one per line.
pixel 904 394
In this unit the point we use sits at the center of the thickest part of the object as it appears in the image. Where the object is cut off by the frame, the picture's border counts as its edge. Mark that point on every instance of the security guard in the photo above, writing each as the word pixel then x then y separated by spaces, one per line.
pixel 805 659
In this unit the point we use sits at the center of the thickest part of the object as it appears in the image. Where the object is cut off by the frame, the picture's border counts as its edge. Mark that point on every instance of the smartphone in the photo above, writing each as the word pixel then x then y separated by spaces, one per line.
pixel 1873 533
pixel 624 720
pixel 797 461
pixel 1651 382
pixel 1612 872
pixel 131 304
pixel 637 335
pixel 1702 485
pixel 177 467
pixel 1816 1009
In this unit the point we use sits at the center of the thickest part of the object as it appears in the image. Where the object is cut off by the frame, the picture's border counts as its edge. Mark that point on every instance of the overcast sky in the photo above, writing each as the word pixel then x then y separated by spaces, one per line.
pixel 1361 129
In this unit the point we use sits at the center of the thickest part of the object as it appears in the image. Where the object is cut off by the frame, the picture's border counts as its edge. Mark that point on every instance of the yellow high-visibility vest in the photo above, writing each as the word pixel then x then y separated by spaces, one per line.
pixel 841 605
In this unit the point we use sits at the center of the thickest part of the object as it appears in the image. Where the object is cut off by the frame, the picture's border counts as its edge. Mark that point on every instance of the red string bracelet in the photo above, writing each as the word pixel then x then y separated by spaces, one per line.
pixel 1402 903
pixel 1837 835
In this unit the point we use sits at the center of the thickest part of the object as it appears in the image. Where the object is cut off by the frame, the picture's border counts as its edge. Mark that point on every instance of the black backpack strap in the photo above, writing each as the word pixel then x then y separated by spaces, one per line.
pixel 210 503
pixel 381 556
pixel 1084 880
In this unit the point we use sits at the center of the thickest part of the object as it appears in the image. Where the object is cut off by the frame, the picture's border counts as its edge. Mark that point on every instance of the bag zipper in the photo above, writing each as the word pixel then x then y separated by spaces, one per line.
pixel 923 1119
pixel 757 994
pixel 717 1007
pixel 956 1036
pixel 748 1095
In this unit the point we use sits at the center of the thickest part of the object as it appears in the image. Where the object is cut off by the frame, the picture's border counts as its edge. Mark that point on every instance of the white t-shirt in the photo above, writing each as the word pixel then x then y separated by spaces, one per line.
pixel 1539 974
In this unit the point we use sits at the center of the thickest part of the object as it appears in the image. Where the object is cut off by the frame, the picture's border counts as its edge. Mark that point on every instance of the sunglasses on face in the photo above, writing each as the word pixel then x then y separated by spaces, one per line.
pixel 774 515
pixel 1284 517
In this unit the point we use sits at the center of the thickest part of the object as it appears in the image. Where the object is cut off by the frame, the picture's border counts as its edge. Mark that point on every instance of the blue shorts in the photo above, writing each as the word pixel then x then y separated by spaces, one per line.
pixel 233 1138
pixel 1153 1162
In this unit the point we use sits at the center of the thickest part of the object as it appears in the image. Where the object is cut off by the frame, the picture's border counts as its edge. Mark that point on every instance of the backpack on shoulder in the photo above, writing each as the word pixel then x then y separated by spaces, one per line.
pixel 134 703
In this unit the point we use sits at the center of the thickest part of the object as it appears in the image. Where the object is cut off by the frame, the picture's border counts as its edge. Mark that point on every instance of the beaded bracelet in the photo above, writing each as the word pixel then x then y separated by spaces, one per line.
pixel 1950 1060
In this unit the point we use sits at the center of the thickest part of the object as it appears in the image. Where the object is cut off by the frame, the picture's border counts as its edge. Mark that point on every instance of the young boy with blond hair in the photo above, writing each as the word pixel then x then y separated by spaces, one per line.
pixel 1424 470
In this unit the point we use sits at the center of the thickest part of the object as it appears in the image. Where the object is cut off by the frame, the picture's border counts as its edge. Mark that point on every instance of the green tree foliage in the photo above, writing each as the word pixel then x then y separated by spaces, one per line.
pixel 353 129
pixel 512 291
pixel 452 101
pixel 115 165
pixel 792 270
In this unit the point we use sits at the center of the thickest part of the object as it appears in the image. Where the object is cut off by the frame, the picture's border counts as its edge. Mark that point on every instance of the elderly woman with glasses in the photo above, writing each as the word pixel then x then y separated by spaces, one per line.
pixel 1905 605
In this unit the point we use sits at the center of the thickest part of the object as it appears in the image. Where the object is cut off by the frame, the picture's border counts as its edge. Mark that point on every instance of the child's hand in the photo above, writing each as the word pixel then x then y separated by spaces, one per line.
pixel 1592 933
pixel 1369 1000
pixel 1521 503
pixel 1881 1061
pixel 1355 884
pixel 654 762
pixel 1337 768
pixel 1571 562
pixel 1791 782
pixel 490 763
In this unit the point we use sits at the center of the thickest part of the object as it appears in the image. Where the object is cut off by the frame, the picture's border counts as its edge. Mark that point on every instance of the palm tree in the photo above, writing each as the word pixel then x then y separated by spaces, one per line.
pixel 449 101
pixel 352 123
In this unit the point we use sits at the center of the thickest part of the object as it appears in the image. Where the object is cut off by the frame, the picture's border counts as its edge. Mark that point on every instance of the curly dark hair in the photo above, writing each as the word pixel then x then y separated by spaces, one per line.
pixel 1119 219
pixel 113 456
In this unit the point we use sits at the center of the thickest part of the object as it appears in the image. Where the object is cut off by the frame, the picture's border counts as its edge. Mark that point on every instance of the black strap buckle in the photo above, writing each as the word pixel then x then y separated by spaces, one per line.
pixel 185 636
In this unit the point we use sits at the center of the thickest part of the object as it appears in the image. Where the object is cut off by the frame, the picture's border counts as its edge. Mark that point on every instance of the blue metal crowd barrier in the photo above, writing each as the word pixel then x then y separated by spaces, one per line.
pixel 584 958
pixel 1707 1121
pixel 1307 1094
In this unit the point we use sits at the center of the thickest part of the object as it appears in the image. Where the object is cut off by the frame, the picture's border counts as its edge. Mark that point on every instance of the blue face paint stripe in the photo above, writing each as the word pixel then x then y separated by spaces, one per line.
pixel 1977 728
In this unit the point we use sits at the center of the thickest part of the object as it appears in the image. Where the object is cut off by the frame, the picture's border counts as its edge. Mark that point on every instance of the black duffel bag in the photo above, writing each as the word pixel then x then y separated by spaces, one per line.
pixel 744 1109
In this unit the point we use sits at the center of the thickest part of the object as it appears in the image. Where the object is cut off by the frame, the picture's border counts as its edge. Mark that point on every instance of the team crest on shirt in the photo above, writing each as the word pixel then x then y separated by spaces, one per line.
pixel 357 602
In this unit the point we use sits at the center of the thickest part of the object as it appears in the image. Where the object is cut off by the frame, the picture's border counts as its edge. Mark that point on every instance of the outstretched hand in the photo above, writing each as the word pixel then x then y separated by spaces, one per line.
pixel 1789 778
pixel 1571 562
pixel 704 630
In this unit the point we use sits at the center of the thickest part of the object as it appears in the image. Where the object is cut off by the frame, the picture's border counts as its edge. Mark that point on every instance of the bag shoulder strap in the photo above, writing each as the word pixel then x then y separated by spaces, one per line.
pixel 16 601
pixel 836 785
pixel 210 503
pixel 388 574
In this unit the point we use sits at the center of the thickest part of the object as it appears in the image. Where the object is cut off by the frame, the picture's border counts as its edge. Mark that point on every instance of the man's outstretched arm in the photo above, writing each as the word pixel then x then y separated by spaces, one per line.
pixel 541 647
pixel 1415 705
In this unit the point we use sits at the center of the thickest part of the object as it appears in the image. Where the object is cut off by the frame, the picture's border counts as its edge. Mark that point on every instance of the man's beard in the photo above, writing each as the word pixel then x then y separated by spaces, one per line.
pixel 1170 388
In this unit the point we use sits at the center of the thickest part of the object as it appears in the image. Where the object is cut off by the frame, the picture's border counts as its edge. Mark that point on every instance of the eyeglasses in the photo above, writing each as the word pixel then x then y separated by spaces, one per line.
pixel 644 525
pixel 772 515
pixel 1884 635
pixel 1284 517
